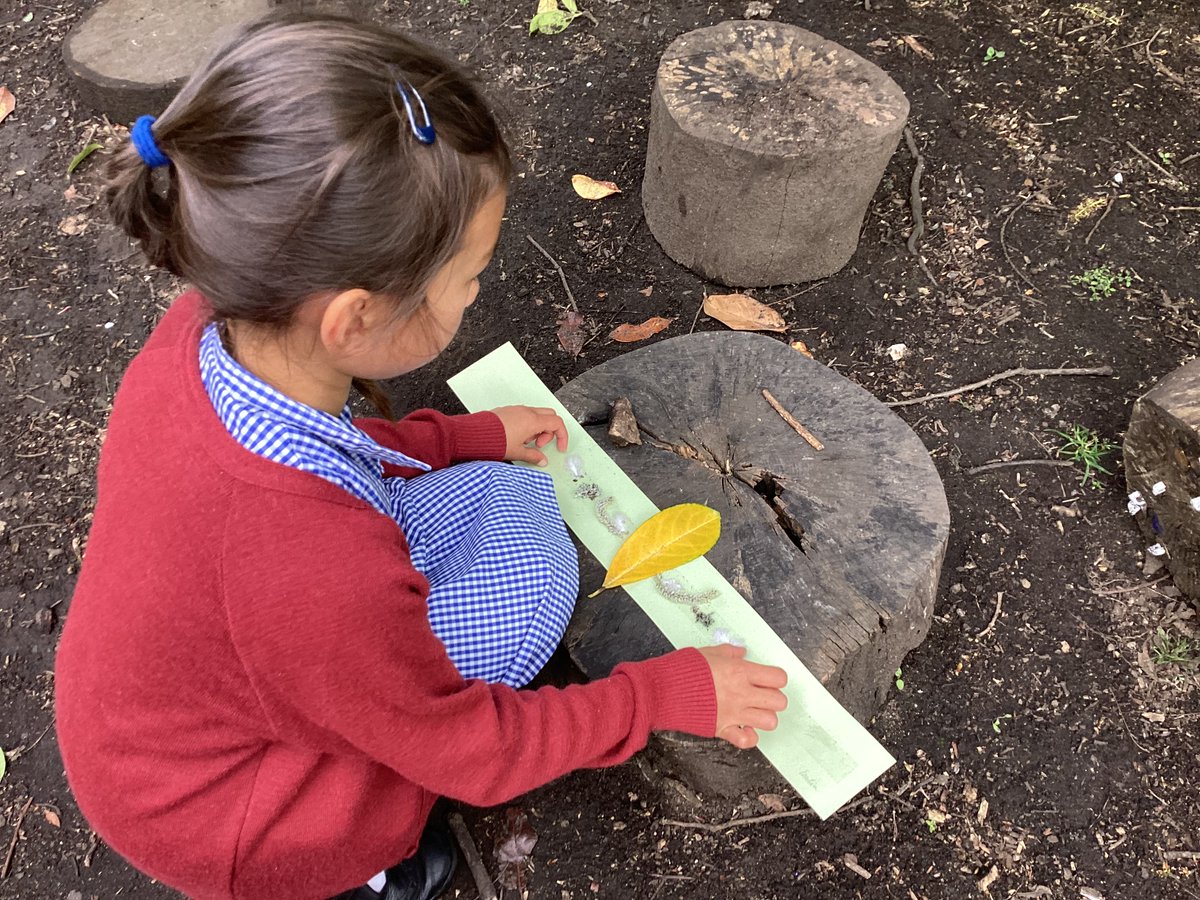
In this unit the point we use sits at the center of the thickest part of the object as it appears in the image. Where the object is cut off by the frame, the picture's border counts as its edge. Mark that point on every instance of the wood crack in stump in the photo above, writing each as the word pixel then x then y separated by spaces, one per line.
pixel 765 484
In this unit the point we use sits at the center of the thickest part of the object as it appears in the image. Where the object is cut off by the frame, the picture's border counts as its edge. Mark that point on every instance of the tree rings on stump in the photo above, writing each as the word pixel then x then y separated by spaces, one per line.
pixel 838 550
pixel 766 144
pixel 1162 464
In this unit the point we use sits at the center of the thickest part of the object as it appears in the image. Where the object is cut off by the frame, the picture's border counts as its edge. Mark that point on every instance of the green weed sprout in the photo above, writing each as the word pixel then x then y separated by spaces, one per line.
pixel 549 19
pixel 899 680
pixel 992 54
pixel 1082 445
pixel 1172 650
pixel 1102 282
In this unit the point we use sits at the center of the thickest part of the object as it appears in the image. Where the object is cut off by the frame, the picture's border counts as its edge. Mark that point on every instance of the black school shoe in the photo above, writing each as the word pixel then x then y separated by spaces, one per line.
pixel 423 876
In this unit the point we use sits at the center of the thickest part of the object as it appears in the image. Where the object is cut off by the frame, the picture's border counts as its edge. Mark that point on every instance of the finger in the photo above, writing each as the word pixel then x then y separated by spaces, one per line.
pixel 760 718
pixel 767 676
pixel 770 699
pixel 558 428
pixel 730 650
pixel 740 736
pixel 531 455
pixel 543 439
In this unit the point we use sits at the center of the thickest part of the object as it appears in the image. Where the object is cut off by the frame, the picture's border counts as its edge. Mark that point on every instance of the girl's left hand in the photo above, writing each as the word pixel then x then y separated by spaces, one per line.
pixel 525 425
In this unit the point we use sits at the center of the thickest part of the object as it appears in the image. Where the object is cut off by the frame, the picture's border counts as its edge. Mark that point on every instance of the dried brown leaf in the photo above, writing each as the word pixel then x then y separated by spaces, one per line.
pixel 76 224
pixel 647 290
pixel 591 189
pixel 571 332
pixel 7 102
pixel 773 802
pixel 52 817
pixel 802 348
pixel 743 313
pixel 514 849
pixel 627 333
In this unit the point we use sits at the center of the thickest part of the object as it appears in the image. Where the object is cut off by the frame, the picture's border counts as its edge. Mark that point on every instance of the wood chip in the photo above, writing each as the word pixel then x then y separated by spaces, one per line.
pixel 851 862
pixel 989 879
pixel 622 426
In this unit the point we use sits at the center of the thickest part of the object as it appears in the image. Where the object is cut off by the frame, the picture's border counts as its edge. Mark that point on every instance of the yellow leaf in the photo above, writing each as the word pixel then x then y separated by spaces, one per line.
pixel 675 536
pixel 545 6
pixel 591 189
pixel 743 313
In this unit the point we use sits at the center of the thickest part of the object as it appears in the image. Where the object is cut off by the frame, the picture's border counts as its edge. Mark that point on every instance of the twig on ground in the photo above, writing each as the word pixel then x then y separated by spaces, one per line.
pixel 561 273
pixel 1167 174
pixel 715 827
pixel 977 470
pixel 1011 373
pixel 914 199
pixel 1004 244
pixel 12 845
pixel 1159 64
pixel 696 318
pixel 483 881
pixel 1130 587
pixel 1180 854
pixel 1104 215
pixel 995 616
pixel 791 420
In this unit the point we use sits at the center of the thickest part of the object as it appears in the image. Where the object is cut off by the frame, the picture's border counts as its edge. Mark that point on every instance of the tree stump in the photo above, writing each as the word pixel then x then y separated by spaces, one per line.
pixel 130 57
pixel 839 550
pixel 1162 464
pixel 766 144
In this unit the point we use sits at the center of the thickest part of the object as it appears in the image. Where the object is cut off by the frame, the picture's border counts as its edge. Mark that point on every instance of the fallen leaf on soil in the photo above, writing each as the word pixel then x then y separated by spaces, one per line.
pixel 7 102
pixel 743 313
pixel 627 333
pixel 802 348
pixel 571 335
pixel 52 817
pixel 83 154
pixel 773 802
pixel 514 847
pixel 668 539
pixel 915 46
pixel 591 189
pixel 647 291
pixel 76 224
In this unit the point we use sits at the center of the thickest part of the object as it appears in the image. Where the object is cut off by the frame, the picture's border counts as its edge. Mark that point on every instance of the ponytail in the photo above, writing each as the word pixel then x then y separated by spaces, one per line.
pixel 138 209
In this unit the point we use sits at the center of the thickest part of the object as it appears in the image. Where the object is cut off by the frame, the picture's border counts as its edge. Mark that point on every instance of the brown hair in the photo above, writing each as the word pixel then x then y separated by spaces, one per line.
pixel 294 171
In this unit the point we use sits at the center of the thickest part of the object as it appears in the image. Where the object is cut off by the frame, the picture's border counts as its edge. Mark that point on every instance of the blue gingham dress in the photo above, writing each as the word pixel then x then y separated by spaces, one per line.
pixel 489 537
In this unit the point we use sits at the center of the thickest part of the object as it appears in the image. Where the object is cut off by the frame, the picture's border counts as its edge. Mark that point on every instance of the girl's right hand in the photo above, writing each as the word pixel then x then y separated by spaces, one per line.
pixel 748 694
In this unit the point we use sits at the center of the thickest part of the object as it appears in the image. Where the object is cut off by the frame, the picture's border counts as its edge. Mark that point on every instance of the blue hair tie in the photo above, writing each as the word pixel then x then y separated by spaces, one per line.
pixel 423 133
pixel 143 141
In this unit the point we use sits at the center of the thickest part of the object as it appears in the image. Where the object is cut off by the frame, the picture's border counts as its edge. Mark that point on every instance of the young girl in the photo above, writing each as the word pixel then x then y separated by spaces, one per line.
pixel 294 630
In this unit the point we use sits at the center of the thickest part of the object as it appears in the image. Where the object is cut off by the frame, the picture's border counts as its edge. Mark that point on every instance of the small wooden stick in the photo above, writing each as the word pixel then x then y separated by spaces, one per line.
pixel 1010 373
pixel 1018 462
pixel 791 420
pixel 561 274
pixel 995 616
pixel 12 845
pixel 483 881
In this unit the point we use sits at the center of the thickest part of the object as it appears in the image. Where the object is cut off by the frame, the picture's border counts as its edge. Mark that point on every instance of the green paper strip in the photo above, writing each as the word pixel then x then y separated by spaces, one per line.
pixel 822 751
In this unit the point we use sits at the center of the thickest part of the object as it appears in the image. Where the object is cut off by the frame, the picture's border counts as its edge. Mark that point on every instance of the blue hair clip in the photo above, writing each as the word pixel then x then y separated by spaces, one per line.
pixel 423 133
pixel 143 141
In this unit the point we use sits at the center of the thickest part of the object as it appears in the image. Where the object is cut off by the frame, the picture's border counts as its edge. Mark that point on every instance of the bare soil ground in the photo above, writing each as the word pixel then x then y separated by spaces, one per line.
pixel 1046 740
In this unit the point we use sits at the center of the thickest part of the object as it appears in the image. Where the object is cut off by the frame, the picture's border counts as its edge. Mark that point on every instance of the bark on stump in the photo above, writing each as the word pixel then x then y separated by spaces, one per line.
pixel 1162 448
pixel 838 550
pixel 766 144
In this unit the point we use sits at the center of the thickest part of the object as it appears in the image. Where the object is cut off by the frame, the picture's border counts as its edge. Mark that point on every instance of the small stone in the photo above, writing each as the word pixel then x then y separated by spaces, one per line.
pixel 44 619
pixel 622 426
pixel 74 895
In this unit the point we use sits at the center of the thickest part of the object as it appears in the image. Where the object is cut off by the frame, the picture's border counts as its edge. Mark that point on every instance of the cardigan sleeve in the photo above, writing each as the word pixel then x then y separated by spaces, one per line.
pixel 438 439
pixel 331 623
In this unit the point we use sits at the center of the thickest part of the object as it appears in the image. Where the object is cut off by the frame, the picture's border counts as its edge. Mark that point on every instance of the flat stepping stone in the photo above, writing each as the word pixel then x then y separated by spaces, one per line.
pixel 130 57
pixel 839 550
pixel 766 143
pixel 1162 464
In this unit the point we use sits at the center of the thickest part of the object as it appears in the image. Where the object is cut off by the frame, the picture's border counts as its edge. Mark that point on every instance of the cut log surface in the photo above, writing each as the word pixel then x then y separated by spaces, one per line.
pixel 838 550
pixel 129 57
pixel 766 143
pixel 1162 447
